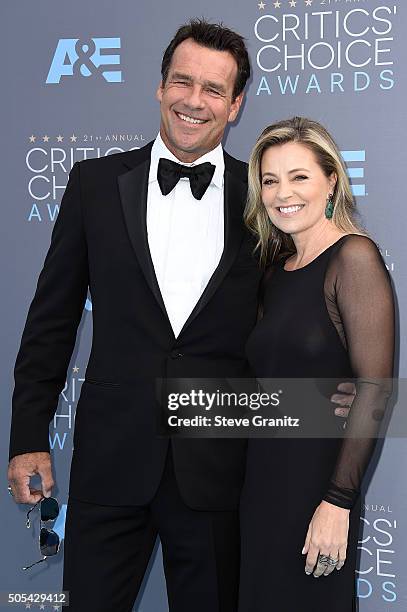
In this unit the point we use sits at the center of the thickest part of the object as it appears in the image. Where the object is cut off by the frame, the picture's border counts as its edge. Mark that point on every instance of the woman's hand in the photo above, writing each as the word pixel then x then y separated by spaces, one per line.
pixel 327 534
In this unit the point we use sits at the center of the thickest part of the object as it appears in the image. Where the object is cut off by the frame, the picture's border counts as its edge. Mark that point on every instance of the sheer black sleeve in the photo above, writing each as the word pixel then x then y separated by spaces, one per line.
pixel 360 303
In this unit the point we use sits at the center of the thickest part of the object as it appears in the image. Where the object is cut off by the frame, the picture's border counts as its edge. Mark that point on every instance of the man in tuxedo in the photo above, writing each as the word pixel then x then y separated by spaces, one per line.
pixel 157 235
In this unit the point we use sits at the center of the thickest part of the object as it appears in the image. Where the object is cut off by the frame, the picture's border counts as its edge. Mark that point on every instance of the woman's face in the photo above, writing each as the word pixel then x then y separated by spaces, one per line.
pixel 294 187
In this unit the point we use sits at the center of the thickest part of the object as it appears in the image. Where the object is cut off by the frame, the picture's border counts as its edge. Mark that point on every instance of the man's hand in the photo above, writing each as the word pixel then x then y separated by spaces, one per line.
pixel 344 398
pixel 21 468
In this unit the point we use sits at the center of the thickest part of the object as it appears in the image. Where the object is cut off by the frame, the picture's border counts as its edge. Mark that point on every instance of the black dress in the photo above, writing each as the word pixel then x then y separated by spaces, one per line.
pixel 333 318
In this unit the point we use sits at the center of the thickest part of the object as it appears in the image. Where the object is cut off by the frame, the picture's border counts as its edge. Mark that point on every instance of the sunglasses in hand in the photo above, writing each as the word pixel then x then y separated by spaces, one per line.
pixel 49 540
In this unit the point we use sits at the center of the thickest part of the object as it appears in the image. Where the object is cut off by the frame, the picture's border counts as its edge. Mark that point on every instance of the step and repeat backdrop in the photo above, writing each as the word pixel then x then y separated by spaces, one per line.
pixel 79 81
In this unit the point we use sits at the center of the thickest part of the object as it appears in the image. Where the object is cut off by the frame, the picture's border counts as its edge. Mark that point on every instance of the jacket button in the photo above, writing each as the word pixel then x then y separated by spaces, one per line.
pixel 176 354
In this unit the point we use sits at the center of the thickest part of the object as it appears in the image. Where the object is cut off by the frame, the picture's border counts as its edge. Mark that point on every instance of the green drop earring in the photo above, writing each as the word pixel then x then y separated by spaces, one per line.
pixel 329 208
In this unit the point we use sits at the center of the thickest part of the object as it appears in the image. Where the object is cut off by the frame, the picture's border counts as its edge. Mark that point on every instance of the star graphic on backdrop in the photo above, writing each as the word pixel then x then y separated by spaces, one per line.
pixel 32 138
pixel 45 138
pixel 75 369
pixel 261 5
pixel 56 607
pixel 293 2
pixel 28 605
pixel 60 138
pixel 277 4
pixel 308 2
pixel 74 138
pixel 42 607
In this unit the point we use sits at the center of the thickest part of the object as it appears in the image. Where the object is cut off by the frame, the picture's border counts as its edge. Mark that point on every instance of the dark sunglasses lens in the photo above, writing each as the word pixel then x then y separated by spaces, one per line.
pixel 49 509
pixel 49 542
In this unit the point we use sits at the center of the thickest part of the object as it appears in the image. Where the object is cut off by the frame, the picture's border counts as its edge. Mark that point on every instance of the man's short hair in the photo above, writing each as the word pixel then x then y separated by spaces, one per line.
pixel 213 36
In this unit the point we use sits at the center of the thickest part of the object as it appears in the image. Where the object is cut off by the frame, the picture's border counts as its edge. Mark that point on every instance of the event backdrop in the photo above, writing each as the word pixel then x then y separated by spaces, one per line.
pixel 79 81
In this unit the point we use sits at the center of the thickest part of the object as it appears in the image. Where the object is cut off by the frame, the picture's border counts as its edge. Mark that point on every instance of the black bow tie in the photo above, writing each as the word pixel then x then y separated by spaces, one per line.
pixel 169 173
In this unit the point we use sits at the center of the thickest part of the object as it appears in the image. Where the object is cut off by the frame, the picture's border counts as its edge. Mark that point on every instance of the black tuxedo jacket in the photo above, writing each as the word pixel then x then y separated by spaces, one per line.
pixel 100 241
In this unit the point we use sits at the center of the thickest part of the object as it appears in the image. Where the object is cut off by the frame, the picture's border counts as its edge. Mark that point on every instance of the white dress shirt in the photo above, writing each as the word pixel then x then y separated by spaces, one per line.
pixel 185 235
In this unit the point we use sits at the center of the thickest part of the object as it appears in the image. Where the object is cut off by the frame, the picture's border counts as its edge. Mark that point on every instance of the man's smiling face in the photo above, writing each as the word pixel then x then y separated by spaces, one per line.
pixel 197 100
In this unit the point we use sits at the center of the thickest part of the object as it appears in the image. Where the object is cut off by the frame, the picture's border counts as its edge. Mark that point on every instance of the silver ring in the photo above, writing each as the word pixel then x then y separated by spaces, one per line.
pixel 9 489
pixel 327 560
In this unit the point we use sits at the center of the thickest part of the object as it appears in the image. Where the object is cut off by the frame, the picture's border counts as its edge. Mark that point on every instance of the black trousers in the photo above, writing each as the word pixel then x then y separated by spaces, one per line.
pixel 107 549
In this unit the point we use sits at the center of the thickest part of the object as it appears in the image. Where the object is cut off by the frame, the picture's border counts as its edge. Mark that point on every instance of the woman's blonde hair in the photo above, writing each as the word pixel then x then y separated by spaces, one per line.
pixel 271 241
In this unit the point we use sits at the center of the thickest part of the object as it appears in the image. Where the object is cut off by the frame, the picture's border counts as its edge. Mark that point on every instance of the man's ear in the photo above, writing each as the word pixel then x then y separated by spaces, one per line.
pixel 235 107
pixel 159 92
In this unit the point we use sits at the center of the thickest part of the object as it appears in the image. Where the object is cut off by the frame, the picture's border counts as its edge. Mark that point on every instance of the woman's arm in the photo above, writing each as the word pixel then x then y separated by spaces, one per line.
pixel 365 303
pixel 364 300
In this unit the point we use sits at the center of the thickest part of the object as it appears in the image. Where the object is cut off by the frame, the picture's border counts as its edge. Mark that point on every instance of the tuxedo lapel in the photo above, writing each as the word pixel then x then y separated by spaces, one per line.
pixel 234 196
pixel 133 186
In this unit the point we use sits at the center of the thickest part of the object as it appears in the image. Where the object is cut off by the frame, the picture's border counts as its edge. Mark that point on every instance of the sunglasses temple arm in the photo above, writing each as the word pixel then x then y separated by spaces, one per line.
pixel 32 564
pixel 27 523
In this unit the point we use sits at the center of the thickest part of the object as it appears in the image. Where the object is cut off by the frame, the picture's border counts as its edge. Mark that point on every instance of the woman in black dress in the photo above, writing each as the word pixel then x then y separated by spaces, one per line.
pixel 328 312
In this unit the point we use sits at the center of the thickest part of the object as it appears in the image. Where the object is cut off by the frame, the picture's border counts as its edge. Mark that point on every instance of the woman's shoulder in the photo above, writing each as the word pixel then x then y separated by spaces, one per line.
pixel 357 246
pixel 357 251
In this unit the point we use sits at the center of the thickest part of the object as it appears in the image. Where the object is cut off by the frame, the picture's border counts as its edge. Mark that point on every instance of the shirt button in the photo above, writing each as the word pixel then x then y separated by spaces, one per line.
pixel 176 354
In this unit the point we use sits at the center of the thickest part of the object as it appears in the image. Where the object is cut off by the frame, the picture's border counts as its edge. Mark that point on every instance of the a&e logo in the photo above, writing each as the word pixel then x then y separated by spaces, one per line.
pixel 74 57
